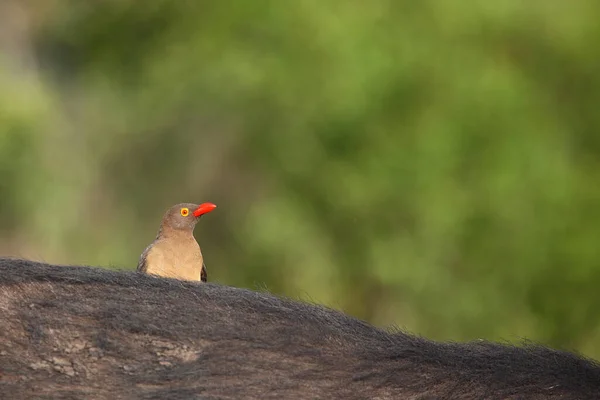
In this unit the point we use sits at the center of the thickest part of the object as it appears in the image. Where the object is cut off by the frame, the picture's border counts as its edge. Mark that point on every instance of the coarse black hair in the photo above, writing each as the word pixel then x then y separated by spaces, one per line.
pixel 75 332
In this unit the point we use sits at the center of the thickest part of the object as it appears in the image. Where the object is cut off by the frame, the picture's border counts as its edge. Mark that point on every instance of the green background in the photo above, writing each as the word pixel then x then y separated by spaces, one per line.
pixel 433 165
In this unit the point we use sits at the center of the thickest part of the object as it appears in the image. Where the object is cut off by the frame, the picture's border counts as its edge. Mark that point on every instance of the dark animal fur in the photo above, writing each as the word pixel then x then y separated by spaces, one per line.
pixel 88 333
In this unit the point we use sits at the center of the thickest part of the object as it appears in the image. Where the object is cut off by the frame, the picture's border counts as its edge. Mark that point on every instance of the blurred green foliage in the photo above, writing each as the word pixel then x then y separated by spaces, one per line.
pixel 432 164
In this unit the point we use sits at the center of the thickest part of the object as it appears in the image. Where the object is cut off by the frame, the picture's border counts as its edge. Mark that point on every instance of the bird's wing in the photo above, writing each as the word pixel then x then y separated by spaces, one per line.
pixel 142 263
pixel 203 274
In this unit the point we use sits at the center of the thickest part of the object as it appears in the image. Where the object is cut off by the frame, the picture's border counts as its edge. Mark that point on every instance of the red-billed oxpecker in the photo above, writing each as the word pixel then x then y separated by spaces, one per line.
pixel 175 253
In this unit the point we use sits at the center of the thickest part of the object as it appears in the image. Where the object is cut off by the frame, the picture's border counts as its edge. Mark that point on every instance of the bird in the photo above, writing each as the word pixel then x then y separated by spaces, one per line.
pixel 175 253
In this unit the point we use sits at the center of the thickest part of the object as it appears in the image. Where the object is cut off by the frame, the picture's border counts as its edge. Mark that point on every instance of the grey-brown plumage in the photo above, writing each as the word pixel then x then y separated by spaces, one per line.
pixel 175 253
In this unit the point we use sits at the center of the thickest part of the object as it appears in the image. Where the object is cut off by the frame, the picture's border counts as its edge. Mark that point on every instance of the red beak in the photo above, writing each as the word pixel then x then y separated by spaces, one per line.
pixel 203 209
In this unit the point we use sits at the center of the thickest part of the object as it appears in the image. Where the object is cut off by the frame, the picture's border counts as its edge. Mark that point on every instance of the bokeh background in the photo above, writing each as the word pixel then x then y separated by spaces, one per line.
pixel 433 165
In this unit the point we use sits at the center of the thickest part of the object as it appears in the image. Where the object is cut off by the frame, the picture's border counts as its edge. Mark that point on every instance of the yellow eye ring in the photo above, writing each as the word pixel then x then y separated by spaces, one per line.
pixel 185 211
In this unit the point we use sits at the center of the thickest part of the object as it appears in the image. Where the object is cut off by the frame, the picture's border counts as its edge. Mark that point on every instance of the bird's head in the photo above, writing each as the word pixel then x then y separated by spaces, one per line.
pixel 184 216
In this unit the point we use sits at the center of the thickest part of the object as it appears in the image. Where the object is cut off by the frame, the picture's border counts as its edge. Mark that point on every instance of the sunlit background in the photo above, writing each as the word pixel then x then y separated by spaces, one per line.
pixel 433 165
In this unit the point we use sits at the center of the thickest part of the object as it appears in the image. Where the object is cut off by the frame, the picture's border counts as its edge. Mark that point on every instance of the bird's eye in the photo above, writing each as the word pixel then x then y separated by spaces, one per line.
pixel 185 211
